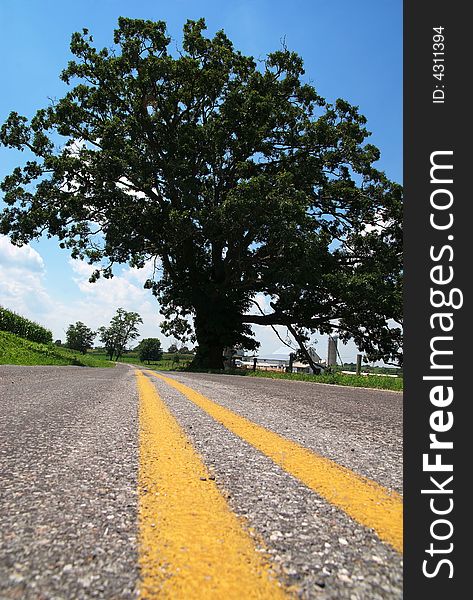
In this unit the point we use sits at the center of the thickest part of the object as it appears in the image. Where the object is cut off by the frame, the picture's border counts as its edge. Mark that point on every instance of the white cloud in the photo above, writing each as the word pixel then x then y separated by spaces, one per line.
pixel 19 256
pixel 100 300
pixel 21 273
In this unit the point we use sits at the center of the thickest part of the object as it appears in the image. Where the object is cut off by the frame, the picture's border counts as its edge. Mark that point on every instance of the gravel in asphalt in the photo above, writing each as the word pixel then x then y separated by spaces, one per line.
pixel 68 494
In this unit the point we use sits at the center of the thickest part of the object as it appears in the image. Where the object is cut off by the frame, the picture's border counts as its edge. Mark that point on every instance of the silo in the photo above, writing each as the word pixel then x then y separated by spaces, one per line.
pixel 332 351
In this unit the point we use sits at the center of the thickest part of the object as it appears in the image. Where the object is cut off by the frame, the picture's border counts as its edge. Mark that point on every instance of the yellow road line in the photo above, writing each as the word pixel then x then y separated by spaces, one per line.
pixel 191 544
pixel 364 500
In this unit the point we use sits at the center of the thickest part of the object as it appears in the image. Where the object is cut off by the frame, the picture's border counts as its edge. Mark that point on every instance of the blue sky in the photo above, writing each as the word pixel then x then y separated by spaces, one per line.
pixel 351 50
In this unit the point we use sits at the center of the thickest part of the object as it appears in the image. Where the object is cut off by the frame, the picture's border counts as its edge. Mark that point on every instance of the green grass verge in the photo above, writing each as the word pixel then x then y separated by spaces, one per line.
pixel 367 381
pixel 18 351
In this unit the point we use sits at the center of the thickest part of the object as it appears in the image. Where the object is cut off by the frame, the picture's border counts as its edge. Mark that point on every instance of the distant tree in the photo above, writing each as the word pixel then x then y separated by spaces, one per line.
pixel 107 337
pixel 80 337
pixel 150 349
pixel 184 350
pixel 173 349
pixel 57 342
pixel 123 329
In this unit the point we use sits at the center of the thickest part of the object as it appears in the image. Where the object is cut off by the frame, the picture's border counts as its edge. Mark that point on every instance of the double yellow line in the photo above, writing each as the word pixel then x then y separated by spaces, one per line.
pixel 182 545
pixel 192 545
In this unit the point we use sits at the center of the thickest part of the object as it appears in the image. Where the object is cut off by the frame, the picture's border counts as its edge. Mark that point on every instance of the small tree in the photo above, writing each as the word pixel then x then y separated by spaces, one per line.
pixel 79 337
pixel 150 349
pixel 172 349
pixel 122 329
pixel 107 337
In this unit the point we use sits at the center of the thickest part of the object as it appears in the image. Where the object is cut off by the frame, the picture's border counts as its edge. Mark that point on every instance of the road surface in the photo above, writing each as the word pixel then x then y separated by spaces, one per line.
pixel 123 485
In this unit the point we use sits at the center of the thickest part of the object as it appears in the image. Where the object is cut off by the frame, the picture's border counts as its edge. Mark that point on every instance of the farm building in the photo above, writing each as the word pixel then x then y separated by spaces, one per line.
pixel 280 361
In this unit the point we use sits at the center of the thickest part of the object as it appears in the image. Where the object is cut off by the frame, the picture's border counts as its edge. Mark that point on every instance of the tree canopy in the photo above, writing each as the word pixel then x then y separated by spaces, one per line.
pixel 80 337
pixel 122 330
pixel 150 349
pixel 234 175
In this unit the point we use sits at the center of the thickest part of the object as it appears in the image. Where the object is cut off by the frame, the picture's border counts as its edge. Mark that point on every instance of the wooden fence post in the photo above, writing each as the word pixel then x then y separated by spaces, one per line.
pixel 358 364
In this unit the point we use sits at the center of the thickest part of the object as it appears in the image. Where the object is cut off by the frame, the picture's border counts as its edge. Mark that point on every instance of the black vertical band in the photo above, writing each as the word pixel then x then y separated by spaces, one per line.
pixel 438 234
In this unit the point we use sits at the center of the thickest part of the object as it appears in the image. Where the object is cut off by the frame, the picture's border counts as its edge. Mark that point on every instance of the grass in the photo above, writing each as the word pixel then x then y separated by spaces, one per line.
pixel 15 350
pixel 367 381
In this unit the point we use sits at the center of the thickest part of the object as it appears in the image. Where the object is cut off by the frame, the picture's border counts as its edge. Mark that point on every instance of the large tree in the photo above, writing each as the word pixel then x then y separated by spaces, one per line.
pixel 235 175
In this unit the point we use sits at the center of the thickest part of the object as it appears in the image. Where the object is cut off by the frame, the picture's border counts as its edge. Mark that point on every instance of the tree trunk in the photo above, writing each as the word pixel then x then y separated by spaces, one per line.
pixel 210 330
pixel 304 350
pixel 208 356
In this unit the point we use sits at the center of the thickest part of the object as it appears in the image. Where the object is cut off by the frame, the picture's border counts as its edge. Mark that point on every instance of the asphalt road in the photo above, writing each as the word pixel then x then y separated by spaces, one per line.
pixel 70 463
